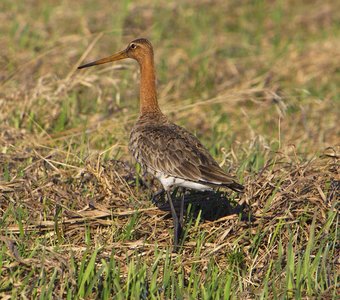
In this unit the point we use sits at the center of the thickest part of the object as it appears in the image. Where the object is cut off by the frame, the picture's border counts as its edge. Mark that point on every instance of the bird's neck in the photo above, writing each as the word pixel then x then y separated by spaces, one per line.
pixel 148 92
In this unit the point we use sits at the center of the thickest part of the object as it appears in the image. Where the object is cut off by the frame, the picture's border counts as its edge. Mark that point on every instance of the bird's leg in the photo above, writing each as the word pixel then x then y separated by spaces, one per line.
pixel 181 214
pixel 177 226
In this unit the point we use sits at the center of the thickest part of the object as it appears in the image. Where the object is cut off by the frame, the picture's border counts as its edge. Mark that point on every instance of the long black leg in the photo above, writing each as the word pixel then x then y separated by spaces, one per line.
pixel 181 214
pixel 177 226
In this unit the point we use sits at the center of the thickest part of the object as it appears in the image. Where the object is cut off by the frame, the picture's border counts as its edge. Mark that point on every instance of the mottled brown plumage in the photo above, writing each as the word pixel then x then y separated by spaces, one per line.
pixel 169 152
pixel 163 147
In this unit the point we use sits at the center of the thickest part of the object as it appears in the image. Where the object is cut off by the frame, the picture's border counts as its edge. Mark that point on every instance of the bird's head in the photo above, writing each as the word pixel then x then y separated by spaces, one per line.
pixel 138 49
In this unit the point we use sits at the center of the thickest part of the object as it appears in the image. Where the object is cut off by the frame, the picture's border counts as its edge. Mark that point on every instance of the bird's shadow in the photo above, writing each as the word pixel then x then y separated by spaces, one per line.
pixel 210 205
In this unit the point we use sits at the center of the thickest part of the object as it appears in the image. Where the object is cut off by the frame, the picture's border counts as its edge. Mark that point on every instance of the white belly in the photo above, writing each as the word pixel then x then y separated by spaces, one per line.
pixel 168 181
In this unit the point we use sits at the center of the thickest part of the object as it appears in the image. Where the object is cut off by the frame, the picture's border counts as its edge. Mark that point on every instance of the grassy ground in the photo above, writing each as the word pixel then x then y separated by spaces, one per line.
pixel 257 81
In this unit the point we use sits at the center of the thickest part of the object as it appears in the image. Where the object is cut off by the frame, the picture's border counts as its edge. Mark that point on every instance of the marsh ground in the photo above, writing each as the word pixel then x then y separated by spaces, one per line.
pixel 257 81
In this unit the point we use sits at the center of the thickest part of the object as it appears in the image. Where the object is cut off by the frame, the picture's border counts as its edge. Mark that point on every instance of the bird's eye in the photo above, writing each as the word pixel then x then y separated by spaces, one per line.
pixel 133 46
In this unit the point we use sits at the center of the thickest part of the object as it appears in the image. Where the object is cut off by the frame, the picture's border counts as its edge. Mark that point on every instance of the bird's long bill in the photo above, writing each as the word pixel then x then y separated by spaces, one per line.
pixel 117 56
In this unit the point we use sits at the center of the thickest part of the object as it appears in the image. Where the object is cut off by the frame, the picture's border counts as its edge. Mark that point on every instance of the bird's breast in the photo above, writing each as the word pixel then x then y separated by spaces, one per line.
pixel 138 148
pixel 134 144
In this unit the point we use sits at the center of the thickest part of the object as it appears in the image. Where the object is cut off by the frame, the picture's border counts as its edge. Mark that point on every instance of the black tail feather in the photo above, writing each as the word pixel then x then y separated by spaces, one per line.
pixel 230 185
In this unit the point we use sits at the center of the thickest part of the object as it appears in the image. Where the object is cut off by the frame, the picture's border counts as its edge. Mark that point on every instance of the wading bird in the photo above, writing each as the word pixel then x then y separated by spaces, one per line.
pixel 167 151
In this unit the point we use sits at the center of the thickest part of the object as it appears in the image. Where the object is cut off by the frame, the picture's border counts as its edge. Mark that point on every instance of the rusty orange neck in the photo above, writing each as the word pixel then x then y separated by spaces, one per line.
pixel 148 92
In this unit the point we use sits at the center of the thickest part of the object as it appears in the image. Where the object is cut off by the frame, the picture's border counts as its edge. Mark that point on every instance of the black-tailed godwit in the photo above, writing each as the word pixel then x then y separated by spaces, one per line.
pixel 167 151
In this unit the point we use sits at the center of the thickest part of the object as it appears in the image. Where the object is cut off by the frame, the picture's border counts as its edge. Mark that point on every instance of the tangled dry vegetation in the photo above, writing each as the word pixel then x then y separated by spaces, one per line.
pixel 62 203
pixel 68 186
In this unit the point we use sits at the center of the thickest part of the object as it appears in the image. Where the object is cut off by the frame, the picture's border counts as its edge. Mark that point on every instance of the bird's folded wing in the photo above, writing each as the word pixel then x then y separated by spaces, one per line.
pixel 173 151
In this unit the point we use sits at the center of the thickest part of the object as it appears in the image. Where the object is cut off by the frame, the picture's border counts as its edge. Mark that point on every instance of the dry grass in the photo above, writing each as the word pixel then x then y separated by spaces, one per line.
pixel 259 86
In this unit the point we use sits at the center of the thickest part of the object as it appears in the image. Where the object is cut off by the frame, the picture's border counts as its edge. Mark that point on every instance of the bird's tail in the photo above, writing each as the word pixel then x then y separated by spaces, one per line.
pixel 216 177
pixel 234 186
